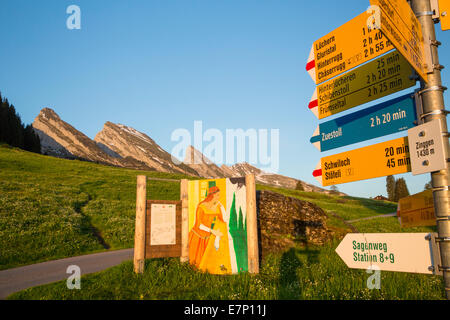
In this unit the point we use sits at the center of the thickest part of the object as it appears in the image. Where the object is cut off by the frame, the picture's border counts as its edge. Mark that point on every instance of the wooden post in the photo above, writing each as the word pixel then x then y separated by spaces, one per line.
pixel 252 225
pixel 184 221
pixel 139 231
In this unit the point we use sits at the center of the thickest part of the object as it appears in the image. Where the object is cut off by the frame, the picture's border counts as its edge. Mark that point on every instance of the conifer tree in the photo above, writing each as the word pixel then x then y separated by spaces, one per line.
pixel 334 189
pixel 401 190
pixel 299 186
pixel 31 140
pixel 13 131
pixel 390 187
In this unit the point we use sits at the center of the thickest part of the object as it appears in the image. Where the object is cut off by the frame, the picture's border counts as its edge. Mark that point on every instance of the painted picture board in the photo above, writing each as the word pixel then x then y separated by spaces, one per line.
pixel 218 225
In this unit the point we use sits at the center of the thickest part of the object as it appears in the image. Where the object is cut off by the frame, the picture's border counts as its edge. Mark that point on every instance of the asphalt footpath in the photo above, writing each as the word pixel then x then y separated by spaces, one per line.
pixel 17 279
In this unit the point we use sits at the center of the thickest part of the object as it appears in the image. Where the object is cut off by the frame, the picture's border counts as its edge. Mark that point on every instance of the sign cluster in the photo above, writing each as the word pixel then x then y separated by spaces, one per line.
pixel 378 53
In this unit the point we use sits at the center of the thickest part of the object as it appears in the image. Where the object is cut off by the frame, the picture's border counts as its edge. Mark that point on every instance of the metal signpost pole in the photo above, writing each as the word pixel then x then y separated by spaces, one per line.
pixel 433 108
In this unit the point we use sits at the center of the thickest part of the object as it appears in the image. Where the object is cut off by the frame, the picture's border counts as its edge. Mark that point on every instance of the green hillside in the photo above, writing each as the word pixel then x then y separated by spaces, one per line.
pixel 52 208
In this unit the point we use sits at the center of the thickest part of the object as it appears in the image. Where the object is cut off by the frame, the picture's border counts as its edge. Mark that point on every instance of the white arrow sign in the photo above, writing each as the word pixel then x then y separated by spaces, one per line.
pixel 402 252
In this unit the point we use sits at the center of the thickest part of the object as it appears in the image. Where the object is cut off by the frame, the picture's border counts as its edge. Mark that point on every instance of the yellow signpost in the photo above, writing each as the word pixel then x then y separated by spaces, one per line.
pixel 379 160
pixel 400 25
pixel 332 63
pixel 376 79
pixel 345 48
pixel 444 9
pixel 417 210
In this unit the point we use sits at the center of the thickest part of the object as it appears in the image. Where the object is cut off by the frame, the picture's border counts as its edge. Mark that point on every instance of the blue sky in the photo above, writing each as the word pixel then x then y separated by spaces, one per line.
pixel 160 65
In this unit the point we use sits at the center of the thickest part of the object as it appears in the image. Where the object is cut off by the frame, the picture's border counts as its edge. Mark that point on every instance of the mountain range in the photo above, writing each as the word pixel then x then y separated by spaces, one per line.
pixel 122 146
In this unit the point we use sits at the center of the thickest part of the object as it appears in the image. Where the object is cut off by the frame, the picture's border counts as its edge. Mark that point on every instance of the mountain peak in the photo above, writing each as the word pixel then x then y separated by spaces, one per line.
pixel 205 167
pixel 123 129
pixel 126 142
pixel 59 138
pixel 48 113
pixel 193 156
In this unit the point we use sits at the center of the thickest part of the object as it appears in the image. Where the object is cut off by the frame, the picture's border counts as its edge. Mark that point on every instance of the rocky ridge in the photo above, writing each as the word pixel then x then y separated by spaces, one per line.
pixel 128 142
pixel 206 168
pixel 123 146
pixel 58 138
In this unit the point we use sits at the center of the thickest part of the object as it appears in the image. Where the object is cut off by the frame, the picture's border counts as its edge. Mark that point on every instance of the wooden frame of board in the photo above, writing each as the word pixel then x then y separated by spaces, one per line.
pixel 163 251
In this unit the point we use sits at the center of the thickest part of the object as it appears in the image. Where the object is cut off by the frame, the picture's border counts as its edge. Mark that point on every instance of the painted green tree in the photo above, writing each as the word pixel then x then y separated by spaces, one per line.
pixel 238 231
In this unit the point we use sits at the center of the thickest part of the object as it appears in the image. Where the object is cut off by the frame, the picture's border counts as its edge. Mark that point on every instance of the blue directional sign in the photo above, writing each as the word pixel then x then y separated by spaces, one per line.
pixel 386 118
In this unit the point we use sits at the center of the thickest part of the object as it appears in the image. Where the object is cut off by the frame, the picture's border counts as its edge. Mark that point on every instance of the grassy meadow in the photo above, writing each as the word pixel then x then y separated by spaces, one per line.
pixel 52 208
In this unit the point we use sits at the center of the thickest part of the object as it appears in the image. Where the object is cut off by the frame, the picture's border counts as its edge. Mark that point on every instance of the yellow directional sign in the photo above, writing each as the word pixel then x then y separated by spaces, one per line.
pixel 444 9
pixel 400 25
pixel 379 78
pixel 417 210
pixel 379 160
pixel 345 48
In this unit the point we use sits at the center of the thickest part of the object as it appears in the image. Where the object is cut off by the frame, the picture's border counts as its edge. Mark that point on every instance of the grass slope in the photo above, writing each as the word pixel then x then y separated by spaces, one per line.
pixel 301 273
pixel 52 208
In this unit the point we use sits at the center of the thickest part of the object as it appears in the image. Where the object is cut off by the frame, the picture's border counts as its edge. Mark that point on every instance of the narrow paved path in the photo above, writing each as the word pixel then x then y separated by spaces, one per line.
pixel 352 227
pixel 13 280
pixel 374 217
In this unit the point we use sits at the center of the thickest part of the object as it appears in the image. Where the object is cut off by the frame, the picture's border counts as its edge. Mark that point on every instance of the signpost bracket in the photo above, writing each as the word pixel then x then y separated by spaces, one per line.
pixel 435 253
pixel 438 189
pixel 434 4
pixel 443 239
pixel 419 106
pixel 434 113
pixel 424 13
pixel 433 88
pixel 438 67
pixel 429 61
pixel 435 43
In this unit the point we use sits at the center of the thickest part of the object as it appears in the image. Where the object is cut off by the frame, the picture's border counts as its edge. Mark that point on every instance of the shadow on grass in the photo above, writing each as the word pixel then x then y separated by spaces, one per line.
pixel 86 224
pixel 288 286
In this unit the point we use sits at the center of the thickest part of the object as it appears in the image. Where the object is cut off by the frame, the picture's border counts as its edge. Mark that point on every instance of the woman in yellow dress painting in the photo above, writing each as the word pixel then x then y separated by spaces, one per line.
pixel 208 239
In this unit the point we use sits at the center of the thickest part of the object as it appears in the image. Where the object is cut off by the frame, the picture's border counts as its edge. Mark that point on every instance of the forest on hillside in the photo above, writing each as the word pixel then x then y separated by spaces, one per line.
pixel 14 132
